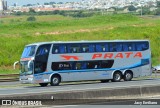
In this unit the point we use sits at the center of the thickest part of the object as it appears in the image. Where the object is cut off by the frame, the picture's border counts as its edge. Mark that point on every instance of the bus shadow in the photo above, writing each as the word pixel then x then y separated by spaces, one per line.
pixel 90 83
pixel 66 84
pixel 79 83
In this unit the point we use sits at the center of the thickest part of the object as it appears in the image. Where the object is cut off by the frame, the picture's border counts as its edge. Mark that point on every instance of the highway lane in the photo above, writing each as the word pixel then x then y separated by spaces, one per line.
pixel 79 86
pixel 9 83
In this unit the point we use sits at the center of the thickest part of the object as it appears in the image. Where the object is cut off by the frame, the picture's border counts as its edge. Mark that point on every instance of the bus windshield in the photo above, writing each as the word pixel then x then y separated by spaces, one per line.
pixel 28 51
pixel 25 69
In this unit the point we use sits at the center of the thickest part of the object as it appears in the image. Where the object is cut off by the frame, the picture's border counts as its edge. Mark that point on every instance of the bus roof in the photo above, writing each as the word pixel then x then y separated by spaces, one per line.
pixel 84 41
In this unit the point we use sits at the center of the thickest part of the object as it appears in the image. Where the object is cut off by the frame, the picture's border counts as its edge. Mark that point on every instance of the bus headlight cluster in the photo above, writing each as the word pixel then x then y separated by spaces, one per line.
pixel 30 79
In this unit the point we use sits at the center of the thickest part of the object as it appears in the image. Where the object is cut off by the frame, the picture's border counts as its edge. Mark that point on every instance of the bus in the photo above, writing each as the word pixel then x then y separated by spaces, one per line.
pixel 59 61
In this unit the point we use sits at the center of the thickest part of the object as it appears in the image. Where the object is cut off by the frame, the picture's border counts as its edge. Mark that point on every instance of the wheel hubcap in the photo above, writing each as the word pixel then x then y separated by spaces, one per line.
pixel 55 80
pixel 117 77
pixel 128 76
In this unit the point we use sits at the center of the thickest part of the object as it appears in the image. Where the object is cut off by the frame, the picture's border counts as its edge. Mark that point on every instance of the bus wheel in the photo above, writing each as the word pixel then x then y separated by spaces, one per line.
pixel 128 76
pixel 104 81
pixel 117 76
pixel 43 84
pixel 55 80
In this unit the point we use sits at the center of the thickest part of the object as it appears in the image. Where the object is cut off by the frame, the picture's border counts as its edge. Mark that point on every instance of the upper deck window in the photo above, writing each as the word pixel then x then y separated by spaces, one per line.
pixel 43 49
pixel 28 51
pixel 129 46
pixel 100 47
pixel 85 48
pixel 142 46
pixel 58 48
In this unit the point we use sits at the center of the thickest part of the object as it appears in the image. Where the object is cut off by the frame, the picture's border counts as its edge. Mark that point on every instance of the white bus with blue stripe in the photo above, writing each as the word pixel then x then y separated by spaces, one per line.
pixel 56 62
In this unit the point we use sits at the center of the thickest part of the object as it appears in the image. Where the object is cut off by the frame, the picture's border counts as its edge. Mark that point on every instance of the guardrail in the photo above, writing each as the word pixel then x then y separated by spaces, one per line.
pixel 9 77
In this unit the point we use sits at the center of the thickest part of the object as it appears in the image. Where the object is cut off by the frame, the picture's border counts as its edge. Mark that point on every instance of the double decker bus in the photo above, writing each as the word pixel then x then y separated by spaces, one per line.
pixel 55 62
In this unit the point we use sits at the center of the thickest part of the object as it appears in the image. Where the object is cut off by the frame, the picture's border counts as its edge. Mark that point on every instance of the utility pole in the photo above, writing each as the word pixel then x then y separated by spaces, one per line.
pixel 142 2
pixel 141 10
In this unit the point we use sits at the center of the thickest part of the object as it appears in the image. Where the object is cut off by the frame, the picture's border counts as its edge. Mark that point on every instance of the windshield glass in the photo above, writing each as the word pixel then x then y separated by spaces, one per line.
pixel 28 51
pixel 24 67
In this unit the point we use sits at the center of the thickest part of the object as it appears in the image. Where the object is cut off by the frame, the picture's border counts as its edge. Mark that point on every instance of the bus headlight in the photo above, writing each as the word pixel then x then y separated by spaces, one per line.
pixel 30 79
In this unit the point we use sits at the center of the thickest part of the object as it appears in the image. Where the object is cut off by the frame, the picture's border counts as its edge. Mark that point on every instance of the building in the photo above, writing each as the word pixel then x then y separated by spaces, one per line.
pixel 4 4
pixel 1 5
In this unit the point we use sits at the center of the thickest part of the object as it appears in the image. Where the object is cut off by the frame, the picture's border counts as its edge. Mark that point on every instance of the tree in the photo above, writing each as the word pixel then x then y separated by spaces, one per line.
pixel 32 10
pixel 158 11
pixel 131 8
pixel 62 12
pixel 158 8
pixel 46 3
pixel 146 11
pixel 56 12
pixel 60 3
pixel 31 18
pixel 29 4
pixel 51 3
pixel 158 4
pixel 18 13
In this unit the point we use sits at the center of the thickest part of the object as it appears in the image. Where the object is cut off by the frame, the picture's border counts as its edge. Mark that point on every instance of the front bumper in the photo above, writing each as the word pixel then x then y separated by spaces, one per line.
pixel 26 79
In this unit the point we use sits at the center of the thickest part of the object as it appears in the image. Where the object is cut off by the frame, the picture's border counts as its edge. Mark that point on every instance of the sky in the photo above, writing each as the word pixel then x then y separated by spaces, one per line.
pixel 24 2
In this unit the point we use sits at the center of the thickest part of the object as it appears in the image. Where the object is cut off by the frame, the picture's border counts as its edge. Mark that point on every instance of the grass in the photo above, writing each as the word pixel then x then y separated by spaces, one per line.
pixel 16 32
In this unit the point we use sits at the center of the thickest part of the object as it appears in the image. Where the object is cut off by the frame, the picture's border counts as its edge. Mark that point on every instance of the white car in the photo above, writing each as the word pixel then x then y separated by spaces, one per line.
pixel 156 68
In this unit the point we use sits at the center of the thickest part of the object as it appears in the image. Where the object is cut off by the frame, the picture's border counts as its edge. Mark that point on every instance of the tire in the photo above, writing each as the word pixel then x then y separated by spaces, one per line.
pixel 55 80
pixel 117 76
pixel 128 76
pixel 43 84
pixel 104 81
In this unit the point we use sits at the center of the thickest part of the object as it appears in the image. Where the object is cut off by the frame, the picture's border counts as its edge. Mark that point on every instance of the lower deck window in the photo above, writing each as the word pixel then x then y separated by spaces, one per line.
pixel 78 65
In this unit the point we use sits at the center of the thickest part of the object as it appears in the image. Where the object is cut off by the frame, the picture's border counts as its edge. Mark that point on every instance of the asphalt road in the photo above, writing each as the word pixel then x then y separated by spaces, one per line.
pixel 76 86
pixel 9 83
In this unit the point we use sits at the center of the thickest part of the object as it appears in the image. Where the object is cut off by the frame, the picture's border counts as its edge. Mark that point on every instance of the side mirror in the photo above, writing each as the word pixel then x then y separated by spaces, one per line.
pixel 29 62
pixel 14 65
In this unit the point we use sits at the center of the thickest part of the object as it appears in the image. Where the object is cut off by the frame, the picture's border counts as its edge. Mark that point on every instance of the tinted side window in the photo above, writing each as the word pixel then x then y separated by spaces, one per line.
pixel 81 65
pixel 91 48
pixel 129 46
pixel 85 48
pixel 43 49
pixel 55 49
pixel 61 66
pixel 101 47
pixel 93 65
pixel 113 47
pixel 140 46
pixel 145 45
pixel 59 49
pixel 119 47
pixel 75 48
pixel 107 63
